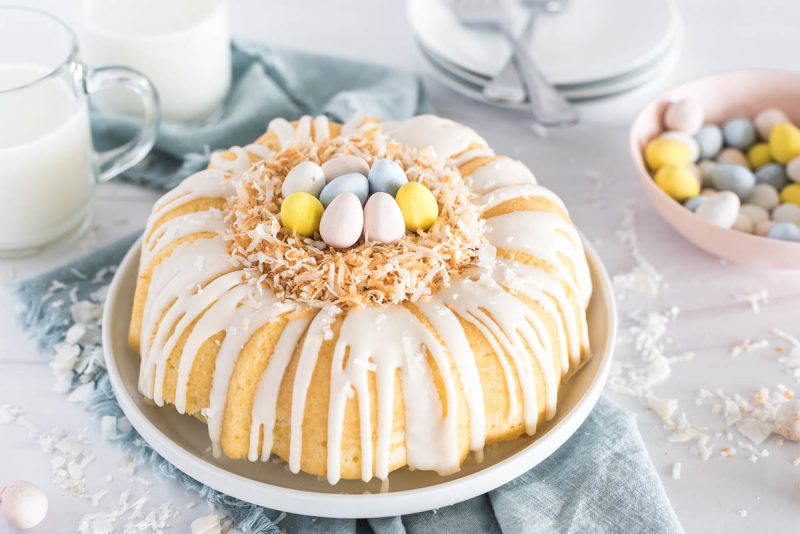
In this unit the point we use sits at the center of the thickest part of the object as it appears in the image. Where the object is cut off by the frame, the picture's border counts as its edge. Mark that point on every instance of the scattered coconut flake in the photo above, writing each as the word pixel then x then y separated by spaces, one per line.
pixel 207 525
pixel 81 393
pixel 743 513
pixel 748 346
pixel 676 470
pixel 755 299
pixel 643 278
pixel 108 426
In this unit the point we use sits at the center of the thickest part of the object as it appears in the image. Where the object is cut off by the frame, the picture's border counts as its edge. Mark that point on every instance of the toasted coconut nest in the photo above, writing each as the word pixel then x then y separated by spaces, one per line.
pixel 309 271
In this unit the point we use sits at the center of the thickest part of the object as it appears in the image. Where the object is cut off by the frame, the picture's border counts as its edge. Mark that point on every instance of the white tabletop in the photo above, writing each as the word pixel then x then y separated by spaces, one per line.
pixel 588 166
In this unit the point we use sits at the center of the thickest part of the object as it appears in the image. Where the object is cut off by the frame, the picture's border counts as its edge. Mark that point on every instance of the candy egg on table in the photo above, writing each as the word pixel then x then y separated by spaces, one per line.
pixel 709 139
pixel 301 212
pixel 418 206
pixel 754 212
pixel 344 164
pixel 386 176
pixel 720 209
pixel 768 118
pixel 665 151
pixel 772 174
pixel 694 202
pixel 734 156
pixel 727 177
pixel 793 169
pixel 758 155
pixel 347 183
pixel 306 177
pixel 684 115
pixel 784 142
pixel 791 194
pixel 785 231
pixel 762 228
pixel 764 195
pixel 739 133
pixel 678 181
pixel 383 220
pixel 23 504
pixel 688 140
pixel 787 420
pixel 786 213
pixel 342 221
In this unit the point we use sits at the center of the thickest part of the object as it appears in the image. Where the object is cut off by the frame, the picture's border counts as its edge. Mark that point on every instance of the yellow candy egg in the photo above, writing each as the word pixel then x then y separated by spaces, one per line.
pixel 418 206
pixel 791 194
pixel 301 213
pixel 759 155
pixel 678 181
pixel 665 151
pixel 784 142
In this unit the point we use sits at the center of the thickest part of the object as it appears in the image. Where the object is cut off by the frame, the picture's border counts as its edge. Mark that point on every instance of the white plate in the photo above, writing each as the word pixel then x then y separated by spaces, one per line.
pixel 589 41
pixel 184 441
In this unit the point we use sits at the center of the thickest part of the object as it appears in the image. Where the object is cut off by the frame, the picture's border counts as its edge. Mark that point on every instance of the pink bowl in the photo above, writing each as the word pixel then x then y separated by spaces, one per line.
pixel 722 96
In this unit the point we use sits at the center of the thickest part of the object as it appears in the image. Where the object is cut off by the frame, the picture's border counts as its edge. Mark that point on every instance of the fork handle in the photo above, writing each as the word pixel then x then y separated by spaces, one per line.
pixel 506 86
pixel 548 107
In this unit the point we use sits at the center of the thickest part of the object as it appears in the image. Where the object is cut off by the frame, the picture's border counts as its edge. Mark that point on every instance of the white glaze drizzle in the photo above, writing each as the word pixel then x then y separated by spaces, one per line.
pixel 445 136
pixel 501 172
pixel 178 227
pixel 469 155
pixel 502 194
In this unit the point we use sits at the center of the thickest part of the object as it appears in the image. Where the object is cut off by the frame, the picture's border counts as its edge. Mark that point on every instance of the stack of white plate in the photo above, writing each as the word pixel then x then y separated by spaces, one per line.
pixel 592 49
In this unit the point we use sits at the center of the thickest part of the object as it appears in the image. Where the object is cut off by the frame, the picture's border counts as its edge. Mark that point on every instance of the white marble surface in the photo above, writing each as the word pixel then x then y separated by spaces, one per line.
pixel 718 495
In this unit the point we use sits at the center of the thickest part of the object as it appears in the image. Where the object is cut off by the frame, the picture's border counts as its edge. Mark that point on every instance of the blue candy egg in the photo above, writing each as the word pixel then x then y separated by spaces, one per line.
pixel 710 140
pixel 694 202
pixel 773 174
pixel 386 176
pixel 785 231
pixel 739 133
pixel 735 178
pixel 347 183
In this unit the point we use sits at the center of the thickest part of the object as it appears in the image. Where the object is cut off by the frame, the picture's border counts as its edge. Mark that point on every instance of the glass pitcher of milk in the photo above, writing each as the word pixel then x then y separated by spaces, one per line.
pixel 48 167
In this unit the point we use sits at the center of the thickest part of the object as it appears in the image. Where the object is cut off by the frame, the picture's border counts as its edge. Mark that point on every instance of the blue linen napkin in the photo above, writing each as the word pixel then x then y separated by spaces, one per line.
pixel 601 480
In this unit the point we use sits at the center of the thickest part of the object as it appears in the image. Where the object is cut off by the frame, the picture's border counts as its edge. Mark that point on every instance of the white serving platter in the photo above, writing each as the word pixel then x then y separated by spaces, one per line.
pixel 184 441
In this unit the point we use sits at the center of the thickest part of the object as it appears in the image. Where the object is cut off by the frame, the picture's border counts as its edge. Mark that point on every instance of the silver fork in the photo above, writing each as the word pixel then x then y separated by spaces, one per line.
pixel 507 86
pixel 547 106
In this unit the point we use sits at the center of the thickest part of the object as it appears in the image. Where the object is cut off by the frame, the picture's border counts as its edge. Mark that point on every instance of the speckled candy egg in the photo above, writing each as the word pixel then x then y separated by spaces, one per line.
pixel 347 183
pixel 755 213
pixel 386 176
pixel 709 139
pixel 735 178
pixel 762 228
pixel 678 181
pixel 784 231
pixel 665 151
pixel 772 174
pixel 784 142
pixel 720 209
pixel 743 224
pixel 786 213
pixel 764 195
pixel 791 194
pixel 383 220
pixel 684 115
pixel 705 167
pixel 306 177
pixel 739 133
pixel 301 213
pixel 768 118
pixel 787 420
pixel 733 156
pixel 344 164
pixel 342 221
pixel 23 504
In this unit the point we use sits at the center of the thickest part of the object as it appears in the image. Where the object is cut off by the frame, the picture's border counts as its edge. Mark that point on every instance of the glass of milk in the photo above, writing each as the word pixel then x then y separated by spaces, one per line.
pixel 48 167
pixel 183 46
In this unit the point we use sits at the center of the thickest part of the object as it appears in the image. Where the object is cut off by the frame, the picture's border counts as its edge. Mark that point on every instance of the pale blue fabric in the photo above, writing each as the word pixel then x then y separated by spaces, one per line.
pixel 601 480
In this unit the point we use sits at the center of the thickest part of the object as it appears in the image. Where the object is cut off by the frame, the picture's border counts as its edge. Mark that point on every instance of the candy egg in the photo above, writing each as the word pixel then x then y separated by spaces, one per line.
pixel 768 118
pixel 709 139
pixel 708 191
pixel 786 213
pixel 345 164
pixel 386 176
pixel 665 151
pixel 346 183
pixel 758 155
pixel 383 220
pixel 688 140
pixel 685 115
pixel 705 167
pixel 787 420
pixel 418 206
pixel 720 209
pixel 791 194
pixel 306 177
pixel 677 181
pixel 772 174
pixel 342 222
pixel 785 231
pixel 739 133
pixel 23 504
pixel 734 178
pixel 764 195
pixel 784 142
pixel 762 228
pixel 301 213
pixel 694 202
pixel 734 156
pixel 754 213
pixel 793 169
pixel 743 224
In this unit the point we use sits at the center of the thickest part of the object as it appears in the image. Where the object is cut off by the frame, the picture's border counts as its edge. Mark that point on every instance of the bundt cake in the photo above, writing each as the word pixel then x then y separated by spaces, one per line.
pixel 352 362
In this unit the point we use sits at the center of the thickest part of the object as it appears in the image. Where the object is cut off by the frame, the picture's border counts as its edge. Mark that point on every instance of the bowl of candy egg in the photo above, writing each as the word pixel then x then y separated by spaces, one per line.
pixel 719 158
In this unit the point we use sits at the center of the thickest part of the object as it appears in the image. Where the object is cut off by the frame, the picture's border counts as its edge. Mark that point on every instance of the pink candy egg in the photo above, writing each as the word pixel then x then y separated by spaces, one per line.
pixel 383 220
pixel 342 221
pixel 23 504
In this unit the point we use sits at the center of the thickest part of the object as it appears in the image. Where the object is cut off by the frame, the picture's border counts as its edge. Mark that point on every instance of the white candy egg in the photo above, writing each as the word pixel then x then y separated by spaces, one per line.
pixel 755 213
pixel 345 164
pixel 721 209
pixel 787 213
pixel 684 116
pixel 764 195
pixel 787 420
pixel 305 177
pixel 383 220
pixel 768 118
pixel 23 504
pixel 342 221
pixel 793 169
